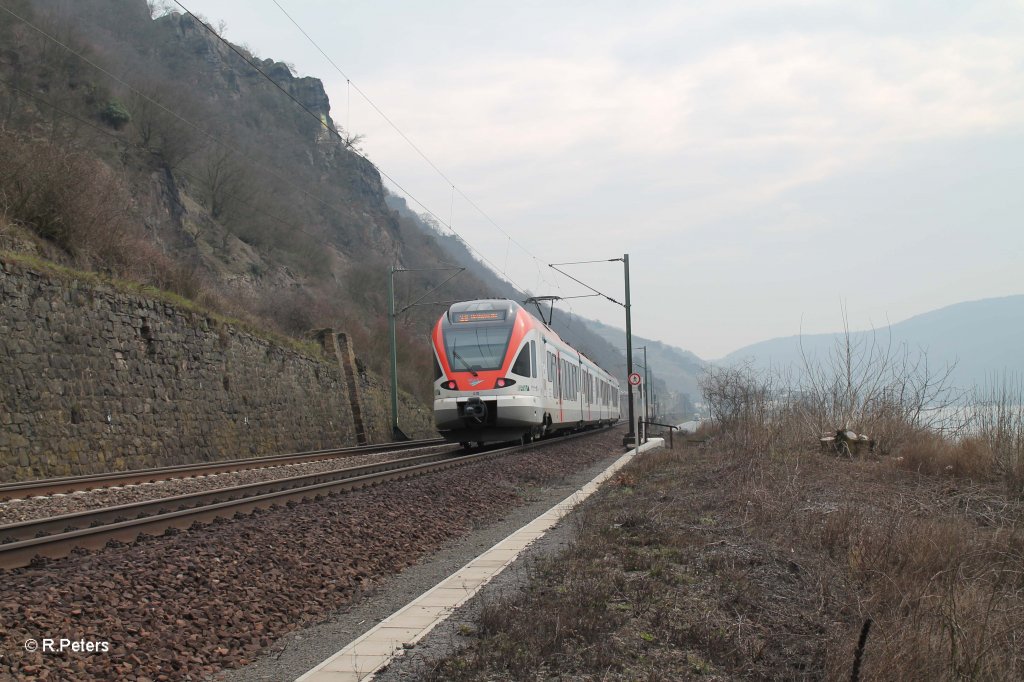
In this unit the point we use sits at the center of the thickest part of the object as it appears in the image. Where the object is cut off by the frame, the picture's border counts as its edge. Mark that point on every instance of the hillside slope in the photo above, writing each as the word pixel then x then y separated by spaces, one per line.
pixel 153 150
pixel 677 367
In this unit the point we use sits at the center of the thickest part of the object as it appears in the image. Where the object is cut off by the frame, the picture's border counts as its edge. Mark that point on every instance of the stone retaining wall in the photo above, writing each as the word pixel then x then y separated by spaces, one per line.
pixel 94 379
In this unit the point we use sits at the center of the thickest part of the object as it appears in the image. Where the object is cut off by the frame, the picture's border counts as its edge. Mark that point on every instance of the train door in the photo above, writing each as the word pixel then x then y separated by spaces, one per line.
pixel 559 384
pixel 585 391
pixel 552 370
pixel 590 395
pixel 537 382
pixel 581 386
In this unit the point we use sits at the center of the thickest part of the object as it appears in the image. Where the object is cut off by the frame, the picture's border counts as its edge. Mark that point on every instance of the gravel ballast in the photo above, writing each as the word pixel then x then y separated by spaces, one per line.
pixel 192 604
pixel 13 511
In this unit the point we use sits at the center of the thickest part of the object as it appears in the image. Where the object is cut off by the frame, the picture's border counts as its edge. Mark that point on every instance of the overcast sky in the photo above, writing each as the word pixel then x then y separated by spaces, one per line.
pixel 763 163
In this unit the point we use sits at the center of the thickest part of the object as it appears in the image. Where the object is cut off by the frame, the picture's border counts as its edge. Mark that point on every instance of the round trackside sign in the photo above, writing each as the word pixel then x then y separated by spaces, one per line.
pixel 634 379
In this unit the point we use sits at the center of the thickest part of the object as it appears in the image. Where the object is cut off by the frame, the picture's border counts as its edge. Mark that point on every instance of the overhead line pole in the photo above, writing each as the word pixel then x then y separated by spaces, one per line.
pixel 396 433
pixel 631 436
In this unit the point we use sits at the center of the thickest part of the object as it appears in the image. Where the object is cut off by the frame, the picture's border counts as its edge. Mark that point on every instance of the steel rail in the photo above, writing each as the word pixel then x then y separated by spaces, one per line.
pixel 23 552
pixel 70 484
pixel 34 528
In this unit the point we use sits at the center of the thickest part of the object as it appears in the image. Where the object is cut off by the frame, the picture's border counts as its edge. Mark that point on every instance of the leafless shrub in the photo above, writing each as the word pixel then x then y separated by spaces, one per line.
pixel 998 422
pixel 869 386
pixel 863 385
pixel 158 8
pixel 67 198
pixel 930 453
pixel 149 265
pixel 746 405
pixel 292 311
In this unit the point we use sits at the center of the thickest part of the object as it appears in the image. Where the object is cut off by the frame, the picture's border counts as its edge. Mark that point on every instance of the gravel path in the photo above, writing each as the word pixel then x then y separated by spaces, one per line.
pixel 189 605
pixel 457 632
pixel 13 511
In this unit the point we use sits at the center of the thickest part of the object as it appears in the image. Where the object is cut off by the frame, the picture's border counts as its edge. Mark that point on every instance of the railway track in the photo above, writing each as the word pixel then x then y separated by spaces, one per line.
pixel 57 537
pixel 70 484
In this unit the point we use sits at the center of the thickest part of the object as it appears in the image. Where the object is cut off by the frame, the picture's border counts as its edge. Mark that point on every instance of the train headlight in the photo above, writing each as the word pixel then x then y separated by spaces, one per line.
pixel 450 385
pixel 502 383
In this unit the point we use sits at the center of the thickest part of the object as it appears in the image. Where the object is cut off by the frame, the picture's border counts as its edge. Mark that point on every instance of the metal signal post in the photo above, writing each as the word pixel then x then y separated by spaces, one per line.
pixel 634 417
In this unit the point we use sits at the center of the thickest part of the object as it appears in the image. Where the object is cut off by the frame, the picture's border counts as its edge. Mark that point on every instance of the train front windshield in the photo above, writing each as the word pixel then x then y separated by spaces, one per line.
pixel 476 346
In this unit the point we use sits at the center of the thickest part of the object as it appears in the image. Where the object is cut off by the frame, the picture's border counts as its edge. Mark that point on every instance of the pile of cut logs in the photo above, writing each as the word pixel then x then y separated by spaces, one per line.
pixel 846 442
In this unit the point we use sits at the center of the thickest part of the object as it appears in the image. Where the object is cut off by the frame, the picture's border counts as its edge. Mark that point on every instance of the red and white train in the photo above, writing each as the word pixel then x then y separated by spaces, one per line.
pixel 501 374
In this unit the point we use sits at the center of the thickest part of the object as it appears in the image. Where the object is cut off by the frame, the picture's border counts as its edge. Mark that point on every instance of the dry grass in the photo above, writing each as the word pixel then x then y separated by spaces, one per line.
pixel 929 453
pixel 205 305
pixel 711 563
pixel 945 598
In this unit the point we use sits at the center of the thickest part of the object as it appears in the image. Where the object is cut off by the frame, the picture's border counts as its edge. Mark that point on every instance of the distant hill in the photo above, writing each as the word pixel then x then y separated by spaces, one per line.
pixel 677 367
pixel 980 337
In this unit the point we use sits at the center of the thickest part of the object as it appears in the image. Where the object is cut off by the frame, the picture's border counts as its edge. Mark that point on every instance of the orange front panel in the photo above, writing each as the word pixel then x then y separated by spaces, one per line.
pixel 485 379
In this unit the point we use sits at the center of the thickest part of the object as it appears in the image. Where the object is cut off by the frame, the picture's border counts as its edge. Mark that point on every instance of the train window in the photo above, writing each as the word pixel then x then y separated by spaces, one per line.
pixel 438 372
pixel 533 358
pixel 477 345
pixel 522 364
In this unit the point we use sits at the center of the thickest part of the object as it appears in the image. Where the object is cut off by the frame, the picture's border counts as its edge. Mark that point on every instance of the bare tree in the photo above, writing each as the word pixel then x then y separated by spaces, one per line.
pixel 168 135
pixel 226 182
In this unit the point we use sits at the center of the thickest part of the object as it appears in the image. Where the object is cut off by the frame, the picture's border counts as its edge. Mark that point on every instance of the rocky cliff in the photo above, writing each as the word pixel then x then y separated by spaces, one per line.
pixel 197 176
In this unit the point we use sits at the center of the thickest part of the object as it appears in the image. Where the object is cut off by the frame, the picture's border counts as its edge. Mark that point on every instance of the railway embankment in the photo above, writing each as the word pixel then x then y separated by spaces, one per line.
pixel 705 562
pixel 99 375
pixel 192 603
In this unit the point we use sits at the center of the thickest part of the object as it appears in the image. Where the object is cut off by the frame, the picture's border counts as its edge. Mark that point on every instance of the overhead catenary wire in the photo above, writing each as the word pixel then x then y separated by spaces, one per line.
pixel 596 292
pixel 117 138
pixel 330 129
pixel 248 207
pixel 350 85
pixel 208 135
pixel 233 148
